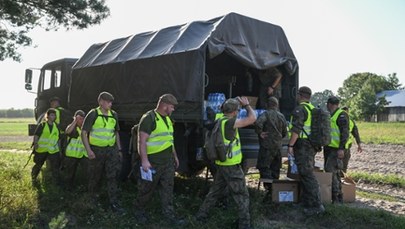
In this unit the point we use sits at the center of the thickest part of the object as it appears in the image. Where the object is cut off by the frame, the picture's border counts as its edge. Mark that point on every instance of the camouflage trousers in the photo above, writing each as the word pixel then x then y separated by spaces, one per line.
pixel 346 159
pixel 70 167
pixel 269 163
pixel 107 161
pixel 39 160
pixel 162 182
pixel 233 178
pixel 334 165
pixel 305 159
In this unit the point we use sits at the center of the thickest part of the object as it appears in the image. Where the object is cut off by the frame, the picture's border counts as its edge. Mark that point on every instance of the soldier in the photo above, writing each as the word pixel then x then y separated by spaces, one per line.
pixel 270 80
pixel 354 133
pixel 75 151
pixel 304 153
pixel 335 151
pixel 271 127
pixel 46 146
pixel 158 154
pixel 101 139
pixel 229 173
pixel 63 118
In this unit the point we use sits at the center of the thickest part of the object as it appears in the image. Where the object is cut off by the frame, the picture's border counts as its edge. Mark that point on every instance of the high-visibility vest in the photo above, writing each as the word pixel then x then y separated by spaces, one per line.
pixel 307 123
pixel 48 141
pixel 75 147
pixel 102 133
pixel 335 132
pixel 236 150
pixel 161 137
pixel 58 111
pixel 350 140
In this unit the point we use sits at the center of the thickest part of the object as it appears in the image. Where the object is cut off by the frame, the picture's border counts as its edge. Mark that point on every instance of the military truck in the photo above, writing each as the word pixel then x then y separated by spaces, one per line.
pixel 191 61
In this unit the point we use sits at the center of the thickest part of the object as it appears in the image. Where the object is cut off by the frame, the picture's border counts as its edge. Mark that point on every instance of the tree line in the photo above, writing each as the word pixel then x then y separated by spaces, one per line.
pixel 17 113
pixel 359 94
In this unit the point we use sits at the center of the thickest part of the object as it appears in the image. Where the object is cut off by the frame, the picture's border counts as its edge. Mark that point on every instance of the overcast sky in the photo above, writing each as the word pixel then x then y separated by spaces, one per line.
pixel 331 39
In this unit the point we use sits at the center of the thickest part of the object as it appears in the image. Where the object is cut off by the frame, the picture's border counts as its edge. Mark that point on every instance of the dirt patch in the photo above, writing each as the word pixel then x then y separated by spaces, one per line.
pixel 15 138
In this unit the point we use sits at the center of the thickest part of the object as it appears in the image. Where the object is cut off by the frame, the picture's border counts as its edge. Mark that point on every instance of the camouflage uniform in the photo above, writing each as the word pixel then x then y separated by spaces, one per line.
pixel 356 135
pixel 163 165
pixel 331 161
pixel 269 159
pixel 229 178
pixel 305 159
pixel 107 160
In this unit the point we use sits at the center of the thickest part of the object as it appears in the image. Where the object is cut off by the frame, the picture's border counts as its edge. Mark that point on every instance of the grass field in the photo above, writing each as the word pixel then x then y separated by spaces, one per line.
pixel 49 206
pixel 382 133
pixel 377 133
pixel 15 127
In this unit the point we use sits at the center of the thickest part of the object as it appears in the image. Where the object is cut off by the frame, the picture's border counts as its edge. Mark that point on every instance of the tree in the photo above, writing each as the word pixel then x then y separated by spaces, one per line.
pixel 18 17
pixel 320 98
pixel 359 93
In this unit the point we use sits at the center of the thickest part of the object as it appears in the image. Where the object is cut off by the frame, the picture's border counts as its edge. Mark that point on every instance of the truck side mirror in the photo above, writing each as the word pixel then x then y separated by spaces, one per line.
pixel 28 87
pixel 28 76
pixel 28 79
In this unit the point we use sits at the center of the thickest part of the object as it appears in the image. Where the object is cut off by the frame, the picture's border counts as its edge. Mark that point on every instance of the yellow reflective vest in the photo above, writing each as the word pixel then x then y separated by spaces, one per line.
pixel 335 132
pixel 236 150
pixel 161 137
pixel 350 140
pixel 102 133
pixel 48 141
pixel 307 123
pixel 75 147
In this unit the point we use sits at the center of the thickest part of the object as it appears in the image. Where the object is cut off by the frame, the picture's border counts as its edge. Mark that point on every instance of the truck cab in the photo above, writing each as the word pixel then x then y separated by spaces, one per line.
pixel 53 79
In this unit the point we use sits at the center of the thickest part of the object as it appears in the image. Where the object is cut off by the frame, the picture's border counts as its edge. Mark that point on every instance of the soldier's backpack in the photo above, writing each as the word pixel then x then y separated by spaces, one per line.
pixel 214 144
pixel 320 128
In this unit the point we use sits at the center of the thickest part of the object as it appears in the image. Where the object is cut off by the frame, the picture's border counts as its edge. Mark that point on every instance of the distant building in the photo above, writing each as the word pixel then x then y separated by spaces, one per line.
pixel 395 110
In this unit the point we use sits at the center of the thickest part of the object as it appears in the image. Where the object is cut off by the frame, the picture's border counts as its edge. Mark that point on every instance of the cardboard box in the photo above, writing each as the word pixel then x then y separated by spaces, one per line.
pixel 284 191
pixel 252 101
pixel 325 185
pixel 349 190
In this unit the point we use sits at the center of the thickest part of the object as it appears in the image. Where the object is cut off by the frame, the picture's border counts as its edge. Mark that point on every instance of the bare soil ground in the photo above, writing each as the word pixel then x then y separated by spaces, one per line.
pixel 383 159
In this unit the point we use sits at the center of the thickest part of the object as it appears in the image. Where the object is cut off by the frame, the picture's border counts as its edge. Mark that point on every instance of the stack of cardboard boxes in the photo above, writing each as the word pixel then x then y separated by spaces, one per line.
pixel 289 190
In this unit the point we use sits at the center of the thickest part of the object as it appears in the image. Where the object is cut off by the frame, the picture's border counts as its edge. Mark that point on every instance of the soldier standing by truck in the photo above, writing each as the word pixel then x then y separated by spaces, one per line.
pixel 46 146
pixel 75 151
pixel 335 151
pixel 229 173
pixel 63 118
pixel 158 154
pixel 271 128
pixel 101 139
pixel 354 131
pixel 300 147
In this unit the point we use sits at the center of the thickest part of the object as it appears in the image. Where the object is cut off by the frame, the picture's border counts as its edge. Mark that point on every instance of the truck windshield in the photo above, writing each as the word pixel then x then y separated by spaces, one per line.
pixel 51 78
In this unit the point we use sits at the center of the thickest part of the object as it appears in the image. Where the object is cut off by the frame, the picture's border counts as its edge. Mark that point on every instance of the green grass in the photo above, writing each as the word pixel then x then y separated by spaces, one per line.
pixel 376 196
pixel 48 206
pixel 15 127
pixel 376 178
pixel 382 132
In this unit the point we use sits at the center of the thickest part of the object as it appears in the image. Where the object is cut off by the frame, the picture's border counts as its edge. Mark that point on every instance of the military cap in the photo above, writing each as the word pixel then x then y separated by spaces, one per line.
pixel 273 101
pixel 79 112
pixel 230 105
pixel 55 98
pixel 168 99
pixel 305 90
pixel 333 100
pixel 106 96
